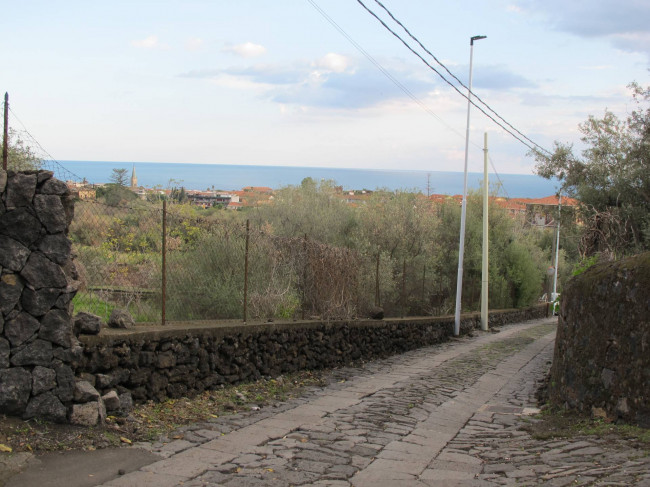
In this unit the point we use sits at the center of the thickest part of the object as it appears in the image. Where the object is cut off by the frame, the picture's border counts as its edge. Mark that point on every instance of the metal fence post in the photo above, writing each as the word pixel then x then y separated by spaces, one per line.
pixel 304 277
pixel 248 231
pixel 377 302
pixel 164 262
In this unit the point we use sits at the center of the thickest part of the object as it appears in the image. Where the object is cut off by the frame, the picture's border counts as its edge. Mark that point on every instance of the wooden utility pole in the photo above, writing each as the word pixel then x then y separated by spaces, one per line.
pixel 5 136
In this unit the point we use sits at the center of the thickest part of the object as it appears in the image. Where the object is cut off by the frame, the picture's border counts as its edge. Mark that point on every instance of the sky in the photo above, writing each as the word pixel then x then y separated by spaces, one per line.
pixel 275 83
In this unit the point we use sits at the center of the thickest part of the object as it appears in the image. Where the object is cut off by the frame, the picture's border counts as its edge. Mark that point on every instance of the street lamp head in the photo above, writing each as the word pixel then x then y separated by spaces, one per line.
pixel 476 38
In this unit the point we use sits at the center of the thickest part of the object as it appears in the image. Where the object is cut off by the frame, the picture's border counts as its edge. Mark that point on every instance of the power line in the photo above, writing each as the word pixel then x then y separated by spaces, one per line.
pixel 58 165
pixel 530 146
pixel 397 83
pixel 454 76
pixel 383 70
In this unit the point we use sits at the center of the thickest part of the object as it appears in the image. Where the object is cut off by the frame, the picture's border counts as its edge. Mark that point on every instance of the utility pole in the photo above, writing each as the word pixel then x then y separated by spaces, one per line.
pixel 5 136
pixel 463 211
pixel 557 248
pixel 484 270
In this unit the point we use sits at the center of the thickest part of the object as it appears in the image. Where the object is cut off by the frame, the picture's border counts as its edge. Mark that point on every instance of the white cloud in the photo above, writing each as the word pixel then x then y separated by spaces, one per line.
pixel 334 62
pixel 150 42
pixel 247 50
pixel 193 44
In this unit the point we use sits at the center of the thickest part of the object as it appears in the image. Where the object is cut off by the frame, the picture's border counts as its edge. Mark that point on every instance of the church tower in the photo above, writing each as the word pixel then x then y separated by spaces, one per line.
pixel 134 178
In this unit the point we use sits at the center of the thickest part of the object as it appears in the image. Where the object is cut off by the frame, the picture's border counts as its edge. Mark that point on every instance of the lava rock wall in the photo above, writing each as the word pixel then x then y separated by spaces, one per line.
pixel 602 351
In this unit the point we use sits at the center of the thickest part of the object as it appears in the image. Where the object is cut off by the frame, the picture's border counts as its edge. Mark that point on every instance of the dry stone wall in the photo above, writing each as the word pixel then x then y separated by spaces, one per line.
pixel 171 361
pixel 38 351
pixel 602 351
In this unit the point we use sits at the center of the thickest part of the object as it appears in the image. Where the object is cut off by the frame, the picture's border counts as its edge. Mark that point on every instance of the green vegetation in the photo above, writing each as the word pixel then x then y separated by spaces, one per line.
pixel 611 179
pixel 310 254
pixel 20 157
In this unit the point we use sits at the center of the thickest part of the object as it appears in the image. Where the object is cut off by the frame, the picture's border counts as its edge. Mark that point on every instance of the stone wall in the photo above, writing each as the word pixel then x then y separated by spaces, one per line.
pixel 172 361
pixel 602 351
pixel 37 282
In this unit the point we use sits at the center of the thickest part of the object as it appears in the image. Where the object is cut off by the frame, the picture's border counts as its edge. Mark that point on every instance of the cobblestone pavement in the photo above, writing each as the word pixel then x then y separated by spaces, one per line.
pixel 443 415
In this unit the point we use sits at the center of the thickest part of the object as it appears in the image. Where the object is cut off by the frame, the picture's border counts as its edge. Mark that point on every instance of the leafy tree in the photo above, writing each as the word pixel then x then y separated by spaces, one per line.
pixel 119 177
pixel 611 178
pixel 20 157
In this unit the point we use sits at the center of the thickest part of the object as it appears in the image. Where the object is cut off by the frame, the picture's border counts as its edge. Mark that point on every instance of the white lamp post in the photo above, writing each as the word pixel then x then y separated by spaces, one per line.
pixel 461 250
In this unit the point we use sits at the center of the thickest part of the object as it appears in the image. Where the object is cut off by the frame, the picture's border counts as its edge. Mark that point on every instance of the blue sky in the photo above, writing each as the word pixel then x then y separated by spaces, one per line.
pixel 272 82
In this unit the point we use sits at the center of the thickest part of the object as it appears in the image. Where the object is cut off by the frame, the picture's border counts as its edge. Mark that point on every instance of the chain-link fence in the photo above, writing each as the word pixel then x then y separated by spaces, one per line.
pixel 164 263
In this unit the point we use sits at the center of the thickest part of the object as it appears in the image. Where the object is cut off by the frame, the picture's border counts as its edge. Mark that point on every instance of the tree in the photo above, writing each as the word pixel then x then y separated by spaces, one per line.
pixel 611 179
pixel 20 157
pixel 119 177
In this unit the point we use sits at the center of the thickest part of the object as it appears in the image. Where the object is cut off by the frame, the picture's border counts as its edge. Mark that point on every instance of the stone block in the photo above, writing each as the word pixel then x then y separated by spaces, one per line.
pixel 43 380
pixel 21 187
pixel 40 272
pixel 65 383
pixel 87 323
pixel 21 225
pixel 38 352
pixel 46 406
pixel 56 327
pixel 13 254
pixel 21 328
pixel 4 353
pixel 87 414
pixel 49 211
pixel 56 247
pixel 111 401
pixel 11 288
pixel 120 318
pixel 15 388
pixel 38 302
pixel 85 392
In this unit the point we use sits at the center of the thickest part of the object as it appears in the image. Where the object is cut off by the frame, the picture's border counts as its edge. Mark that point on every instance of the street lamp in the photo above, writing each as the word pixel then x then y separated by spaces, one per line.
pixel 461 250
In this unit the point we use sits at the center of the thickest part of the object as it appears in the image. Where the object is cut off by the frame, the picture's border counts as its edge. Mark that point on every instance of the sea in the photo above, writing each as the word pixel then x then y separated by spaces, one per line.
pixel 234 177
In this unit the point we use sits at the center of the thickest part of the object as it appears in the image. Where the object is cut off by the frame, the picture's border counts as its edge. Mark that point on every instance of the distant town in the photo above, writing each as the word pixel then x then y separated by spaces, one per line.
pixel 539 210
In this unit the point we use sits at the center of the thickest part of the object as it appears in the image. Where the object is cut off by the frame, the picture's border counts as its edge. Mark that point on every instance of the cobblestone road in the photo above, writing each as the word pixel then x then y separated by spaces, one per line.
pixel 437 416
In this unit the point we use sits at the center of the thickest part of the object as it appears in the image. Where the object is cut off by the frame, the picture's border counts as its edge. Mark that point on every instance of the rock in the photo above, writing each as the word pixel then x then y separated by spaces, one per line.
pixel 38 302
pixel 4 353
pixel 13 254
pixel 3 180
pixel 46 406
pixel 49 211
pixel 376 313
pixel 40 272
pixel 85 392
pixel 43 380
pixel 53 186
pixel 39 352
pixel 126 402
pixel 85 414
pixel 598 413
pixel 11 287
pixel 57 248
pixel 22 226
pixel 622 408
pixel 43 176
pixel 87 323
pixel 121 318
pixel 65 383
pixel 21 328
pixel 56 326
pixel 15 387
pixel 111 401
pixel 21 187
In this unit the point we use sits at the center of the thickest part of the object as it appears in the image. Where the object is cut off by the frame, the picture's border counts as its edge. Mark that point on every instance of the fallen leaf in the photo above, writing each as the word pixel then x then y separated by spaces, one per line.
pixel 125 440
pixel 5 448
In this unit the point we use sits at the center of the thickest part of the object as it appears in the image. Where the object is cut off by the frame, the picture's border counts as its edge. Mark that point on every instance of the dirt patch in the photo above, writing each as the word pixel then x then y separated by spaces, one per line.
pixel 150 420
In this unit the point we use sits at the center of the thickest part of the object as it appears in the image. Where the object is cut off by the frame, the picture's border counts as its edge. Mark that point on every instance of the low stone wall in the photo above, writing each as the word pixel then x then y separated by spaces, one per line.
pixel 176 360
pixel 602 351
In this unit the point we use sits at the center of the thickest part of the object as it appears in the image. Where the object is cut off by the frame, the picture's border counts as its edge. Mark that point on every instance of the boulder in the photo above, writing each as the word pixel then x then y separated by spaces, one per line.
pixel 37 302
pixel 46 406
pixel 53 186
pixel 88 414
pixel 126 402
pixel 120 318
pixel 65 383
pixel 87 323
